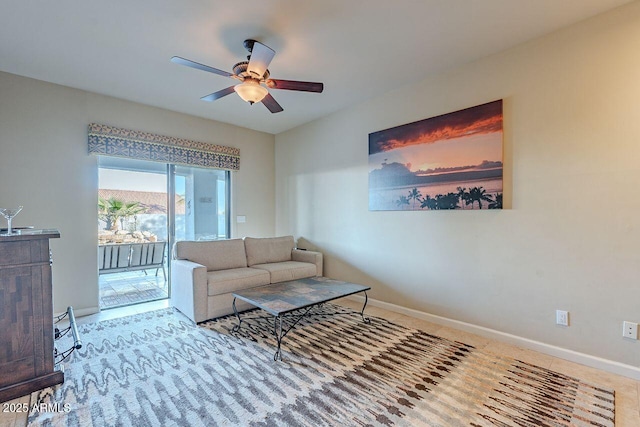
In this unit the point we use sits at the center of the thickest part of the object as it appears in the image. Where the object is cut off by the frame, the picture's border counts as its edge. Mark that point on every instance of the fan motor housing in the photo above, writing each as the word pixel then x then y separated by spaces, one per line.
pixel 240 69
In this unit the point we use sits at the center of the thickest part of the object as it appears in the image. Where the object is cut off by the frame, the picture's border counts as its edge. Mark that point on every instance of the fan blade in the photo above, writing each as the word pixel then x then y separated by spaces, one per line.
pixel 196 65
pixel 219 94
pixel 295 85
pixel 271 104
pixel 260 59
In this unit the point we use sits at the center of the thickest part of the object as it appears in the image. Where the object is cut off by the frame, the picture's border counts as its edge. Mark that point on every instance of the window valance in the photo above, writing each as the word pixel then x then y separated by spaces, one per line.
pixel 111 141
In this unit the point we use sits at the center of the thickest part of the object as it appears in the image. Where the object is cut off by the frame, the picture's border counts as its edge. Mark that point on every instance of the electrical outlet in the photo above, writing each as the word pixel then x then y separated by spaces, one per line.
pixel 562 318
pixel 630 330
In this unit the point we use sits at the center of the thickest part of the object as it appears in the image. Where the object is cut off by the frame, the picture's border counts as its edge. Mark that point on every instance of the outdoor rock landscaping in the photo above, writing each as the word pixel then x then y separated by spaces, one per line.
pixel 106 237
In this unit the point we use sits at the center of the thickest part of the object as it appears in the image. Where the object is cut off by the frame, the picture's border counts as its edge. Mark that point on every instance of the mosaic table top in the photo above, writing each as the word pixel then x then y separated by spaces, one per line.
pixel 284 297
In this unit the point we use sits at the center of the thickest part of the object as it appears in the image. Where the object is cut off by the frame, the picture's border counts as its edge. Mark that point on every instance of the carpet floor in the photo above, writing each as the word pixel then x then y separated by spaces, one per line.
pixel 159 368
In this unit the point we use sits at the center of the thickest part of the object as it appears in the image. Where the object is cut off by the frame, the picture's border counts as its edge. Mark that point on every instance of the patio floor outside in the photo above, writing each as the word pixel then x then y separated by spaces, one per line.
pixel 134 287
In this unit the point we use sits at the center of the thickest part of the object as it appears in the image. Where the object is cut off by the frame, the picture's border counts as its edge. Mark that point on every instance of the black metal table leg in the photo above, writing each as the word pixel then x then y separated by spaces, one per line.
pixel 235 310
pixel 278 333
pixel 366 299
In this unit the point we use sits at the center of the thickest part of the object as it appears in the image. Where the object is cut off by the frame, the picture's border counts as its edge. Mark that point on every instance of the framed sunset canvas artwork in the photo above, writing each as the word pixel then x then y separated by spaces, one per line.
pixel 452 161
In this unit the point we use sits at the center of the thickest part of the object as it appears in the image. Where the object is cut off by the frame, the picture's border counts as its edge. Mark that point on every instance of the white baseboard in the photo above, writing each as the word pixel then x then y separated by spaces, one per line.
pixel 552 350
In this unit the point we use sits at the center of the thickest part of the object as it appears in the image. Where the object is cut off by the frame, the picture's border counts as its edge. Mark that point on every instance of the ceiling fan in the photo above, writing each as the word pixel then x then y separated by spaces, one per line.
pixel 254 76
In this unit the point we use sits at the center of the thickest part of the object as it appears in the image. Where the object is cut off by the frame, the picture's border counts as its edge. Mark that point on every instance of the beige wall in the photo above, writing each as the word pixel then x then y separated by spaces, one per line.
pixel 571 238
pixel 44 166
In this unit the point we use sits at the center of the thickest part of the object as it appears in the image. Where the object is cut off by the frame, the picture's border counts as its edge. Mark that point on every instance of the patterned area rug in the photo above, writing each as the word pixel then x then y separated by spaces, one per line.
pixel 159 368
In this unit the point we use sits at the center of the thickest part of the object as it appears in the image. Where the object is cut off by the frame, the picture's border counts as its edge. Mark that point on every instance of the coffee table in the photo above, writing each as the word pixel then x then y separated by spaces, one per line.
pixel 283 299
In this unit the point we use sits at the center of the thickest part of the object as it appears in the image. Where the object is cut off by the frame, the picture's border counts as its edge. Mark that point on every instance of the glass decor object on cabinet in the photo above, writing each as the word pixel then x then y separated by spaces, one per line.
pixel 9 213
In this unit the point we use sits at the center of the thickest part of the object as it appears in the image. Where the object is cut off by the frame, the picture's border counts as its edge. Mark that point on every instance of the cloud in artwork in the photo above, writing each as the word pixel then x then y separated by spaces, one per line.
pixel 486 118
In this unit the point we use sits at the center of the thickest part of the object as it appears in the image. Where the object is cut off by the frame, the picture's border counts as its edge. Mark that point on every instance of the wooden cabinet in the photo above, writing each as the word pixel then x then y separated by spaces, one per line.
pixel 26 314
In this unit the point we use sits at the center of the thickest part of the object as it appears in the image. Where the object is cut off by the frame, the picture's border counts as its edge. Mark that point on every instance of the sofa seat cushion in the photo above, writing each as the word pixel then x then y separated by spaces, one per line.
pixel 268 250
pixel 213 254
pixel 225 281
pixel 288 270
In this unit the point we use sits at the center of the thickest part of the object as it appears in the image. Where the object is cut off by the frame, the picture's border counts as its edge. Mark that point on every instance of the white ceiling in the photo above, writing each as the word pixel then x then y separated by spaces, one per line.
pixel 358 48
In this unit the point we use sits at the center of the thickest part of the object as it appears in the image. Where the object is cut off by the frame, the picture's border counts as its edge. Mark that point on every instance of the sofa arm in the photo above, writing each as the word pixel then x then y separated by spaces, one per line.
pixel 310 257
pixel 189 289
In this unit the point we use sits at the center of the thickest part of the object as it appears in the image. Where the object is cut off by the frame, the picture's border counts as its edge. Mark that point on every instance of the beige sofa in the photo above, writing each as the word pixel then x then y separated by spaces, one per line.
pixel 205 273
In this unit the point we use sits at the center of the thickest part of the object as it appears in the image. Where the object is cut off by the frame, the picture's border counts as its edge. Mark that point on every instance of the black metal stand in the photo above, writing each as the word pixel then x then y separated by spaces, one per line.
pixel 77 344
pixel 279 332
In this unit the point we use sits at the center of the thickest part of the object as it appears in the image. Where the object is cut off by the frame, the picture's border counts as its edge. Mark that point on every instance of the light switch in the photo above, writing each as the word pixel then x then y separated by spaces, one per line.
pixel 240 219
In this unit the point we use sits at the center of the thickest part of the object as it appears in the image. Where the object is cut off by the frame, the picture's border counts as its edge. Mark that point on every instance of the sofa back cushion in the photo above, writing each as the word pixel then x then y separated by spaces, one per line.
pixel 215 255
pixel 266 250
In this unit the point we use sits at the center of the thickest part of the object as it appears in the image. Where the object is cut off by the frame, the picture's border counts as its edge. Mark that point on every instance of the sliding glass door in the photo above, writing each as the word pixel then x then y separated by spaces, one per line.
pixel 144 207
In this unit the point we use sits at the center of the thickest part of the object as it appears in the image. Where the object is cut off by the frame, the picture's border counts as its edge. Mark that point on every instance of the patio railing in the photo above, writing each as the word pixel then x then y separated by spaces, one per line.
pixel 119 257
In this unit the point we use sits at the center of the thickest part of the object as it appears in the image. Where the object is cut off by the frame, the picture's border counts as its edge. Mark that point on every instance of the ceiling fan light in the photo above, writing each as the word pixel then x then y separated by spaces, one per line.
pixel 251 91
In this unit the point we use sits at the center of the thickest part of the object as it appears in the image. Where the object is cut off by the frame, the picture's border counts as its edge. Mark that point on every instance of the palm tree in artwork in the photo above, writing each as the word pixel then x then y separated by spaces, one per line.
pixel 463 194
pixel 428 203
pixel 497 202
pixel 447 201
pixel 402 201
pixel 478 194
pixel 414 195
